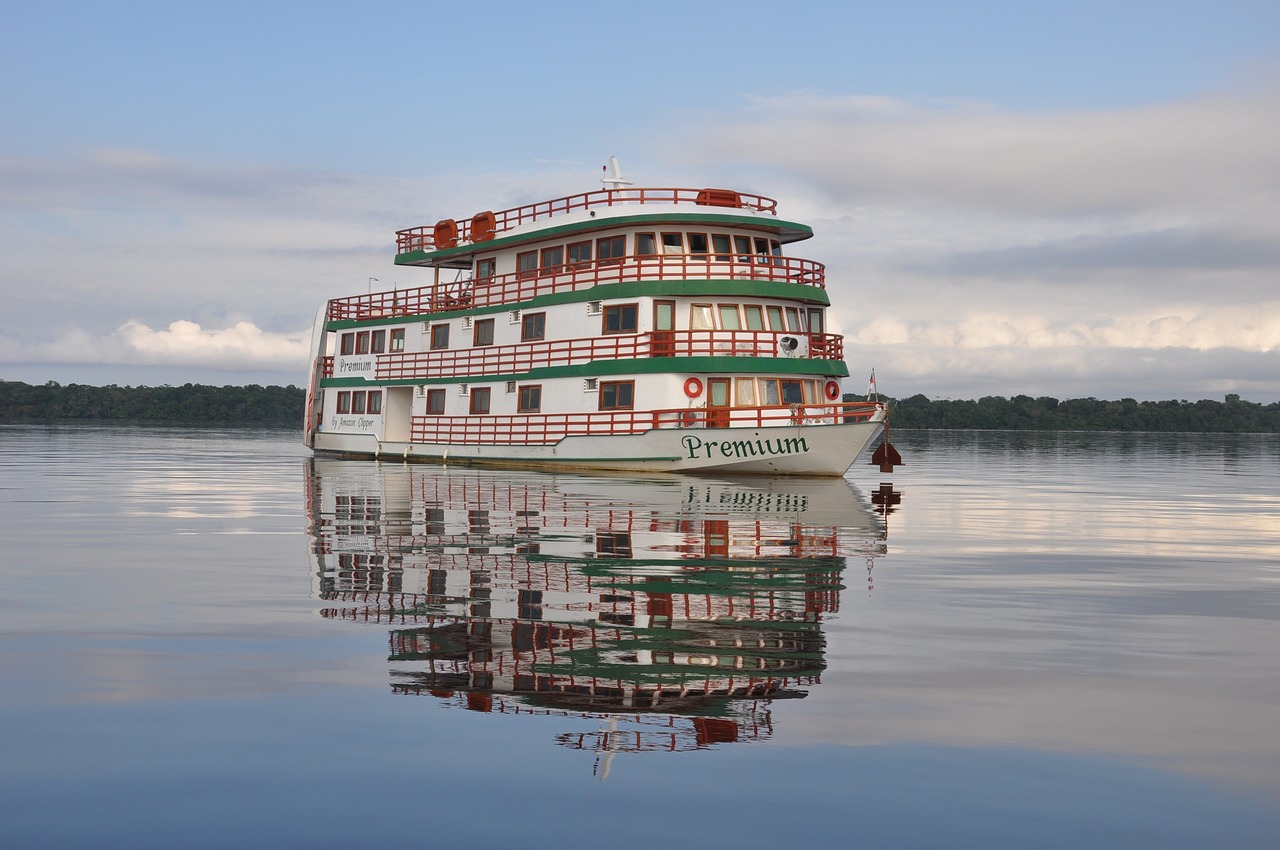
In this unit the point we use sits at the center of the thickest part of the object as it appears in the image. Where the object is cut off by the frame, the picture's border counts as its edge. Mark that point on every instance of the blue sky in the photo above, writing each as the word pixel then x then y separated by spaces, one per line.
pixel 1060 200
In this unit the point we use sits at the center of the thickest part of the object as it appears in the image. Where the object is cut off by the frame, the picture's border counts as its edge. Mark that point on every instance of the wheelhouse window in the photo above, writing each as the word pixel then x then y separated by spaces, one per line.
pixel 742 244
pixel 397 339
pixel 815 322
pixel 754 316
pixel 440 336
pixel 646 244
pixel 611 249
pixel 482 332
pixel 793 321
pixel 775 319
pixel 617 395
pixel 533 326
pixel 378 343
pixel 530 399
pixel 486 268
pixel 720 243
pixel 526 264
pixel 579 254
pixel 701 317
pixel 697 243
pixel 435 402
pixel 480 400
pixel 621 319
pixel 348 346
pixel 673 243
pixel 729 318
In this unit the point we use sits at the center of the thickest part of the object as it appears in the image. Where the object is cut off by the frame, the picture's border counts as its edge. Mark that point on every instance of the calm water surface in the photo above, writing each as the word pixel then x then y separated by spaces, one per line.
pixel 208 640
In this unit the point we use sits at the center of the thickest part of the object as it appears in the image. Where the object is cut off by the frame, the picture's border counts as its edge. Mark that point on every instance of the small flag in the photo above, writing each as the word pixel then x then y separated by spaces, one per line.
pixel 871 385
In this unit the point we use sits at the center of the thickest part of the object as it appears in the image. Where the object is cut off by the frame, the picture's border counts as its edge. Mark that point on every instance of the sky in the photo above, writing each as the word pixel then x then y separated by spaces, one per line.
pixel 1066 200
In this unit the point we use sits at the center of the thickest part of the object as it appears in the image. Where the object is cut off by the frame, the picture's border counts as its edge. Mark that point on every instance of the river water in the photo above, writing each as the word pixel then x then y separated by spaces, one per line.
pixel 1014 640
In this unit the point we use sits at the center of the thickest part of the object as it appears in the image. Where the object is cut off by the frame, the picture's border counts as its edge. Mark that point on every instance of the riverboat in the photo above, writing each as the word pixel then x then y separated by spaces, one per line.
pixel 634 329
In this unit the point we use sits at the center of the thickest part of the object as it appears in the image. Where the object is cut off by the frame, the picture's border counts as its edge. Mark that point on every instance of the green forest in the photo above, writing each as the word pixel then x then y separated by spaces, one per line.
pixel 194 404
pixel 260 406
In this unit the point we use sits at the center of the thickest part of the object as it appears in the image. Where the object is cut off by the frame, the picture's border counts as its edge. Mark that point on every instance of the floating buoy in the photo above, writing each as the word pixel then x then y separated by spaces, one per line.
pixel 693 388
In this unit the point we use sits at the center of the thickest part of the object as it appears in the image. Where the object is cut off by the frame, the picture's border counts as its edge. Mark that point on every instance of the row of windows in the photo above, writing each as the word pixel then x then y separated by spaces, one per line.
pixel 371 342
pixel 360 401
pixel 615 319
pixel 613 395
pixel 722 247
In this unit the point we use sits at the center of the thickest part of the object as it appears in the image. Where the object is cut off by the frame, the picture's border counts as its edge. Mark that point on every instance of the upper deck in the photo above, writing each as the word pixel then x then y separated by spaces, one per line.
pixel 423 245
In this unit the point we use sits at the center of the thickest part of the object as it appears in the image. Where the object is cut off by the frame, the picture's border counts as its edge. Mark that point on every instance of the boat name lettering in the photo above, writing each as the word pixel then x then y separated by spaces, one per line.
pixel 361 423
pixel 355 366
pixel 744 448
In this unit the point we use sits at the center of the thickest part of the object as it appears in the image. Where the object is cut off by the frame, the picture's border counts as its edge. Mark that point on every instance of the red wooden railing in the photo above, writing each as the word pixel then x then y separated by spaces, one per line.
pixel 521 286
pixel 548 428
pixel 423 238
pixel 513 359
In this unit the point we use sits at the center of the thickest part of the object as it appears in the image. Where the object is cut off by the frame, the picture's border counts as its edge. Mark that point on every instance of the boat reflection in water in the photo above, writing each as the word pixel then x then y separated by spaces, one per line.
pixel 671 610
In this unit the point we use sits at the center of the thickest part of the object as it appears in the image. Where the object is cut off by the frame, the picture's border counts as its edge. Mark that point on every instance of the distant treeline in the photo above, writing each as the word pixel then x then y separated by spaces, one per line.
pixel 1024 413
pixel 188 404
pixel 283 407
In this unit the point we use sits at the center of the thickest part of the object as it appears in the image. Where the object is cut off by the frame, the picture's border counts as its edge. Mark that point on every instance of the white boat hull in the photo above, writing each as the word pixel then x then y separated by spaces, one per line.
pixel 814 450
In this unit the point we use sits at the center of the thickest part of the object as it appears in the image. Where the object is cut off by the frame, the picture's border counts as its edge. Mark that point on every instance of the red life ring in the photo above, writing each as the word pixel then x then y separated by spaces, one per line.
pixel 693 388
pixel 833 391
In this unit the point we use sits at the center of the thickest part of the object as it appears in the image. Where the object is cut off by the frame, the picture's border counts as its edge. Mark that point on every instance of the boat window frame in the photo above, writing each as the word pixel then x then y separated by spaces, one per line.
pixel 650 237
pixel 482 333
pixel 397 339
pixel 439 336
pixel 722 255
pixel 710 313
pixel 672 239
pixel 618 309
pixel 574 257
pixel 486 268
pixel 374 404
pixel 526 264
pixel 551 260
pixel 607 257
pixel 529 398
pixel 378 341
pixel 736 312
pixel 616 387
pixel 527 319
pixel 432 396
pixel 347 344
pixel 343 404
pixel 480 399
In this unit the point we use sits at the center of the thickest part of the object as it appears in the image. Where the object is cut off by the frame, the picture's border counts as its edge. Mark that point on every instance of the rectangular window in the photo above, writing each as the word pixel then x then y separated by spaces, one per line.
pixel 791 392
pixel 397 339
pixel 697 243
pixel 664 315
pixel 775 319
pixel 357 401
pixel 621 319
pixel 742 244
pixel 348 344
pixel 815 321
pixel 579 254
pixel 440 336
pixel 700 317
pixel 526 264
pixel 479 399
pixel 379 342
pixel 754 316
pixel 775 248
pixel 729 319
pixel 646 245
pixel 486 268
pixel 362 342
pixel 344 402
pixel 745 392
pixel 611 249
pixel 617 395
pixel 552 260
pixel 533 326
pixel 762 248
pixel 793 320
pixel 673 243
pixel 435 402
pixel 482 332
pixel 530 400
pixel 720 242
pixel 769 392
pixel 375 401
